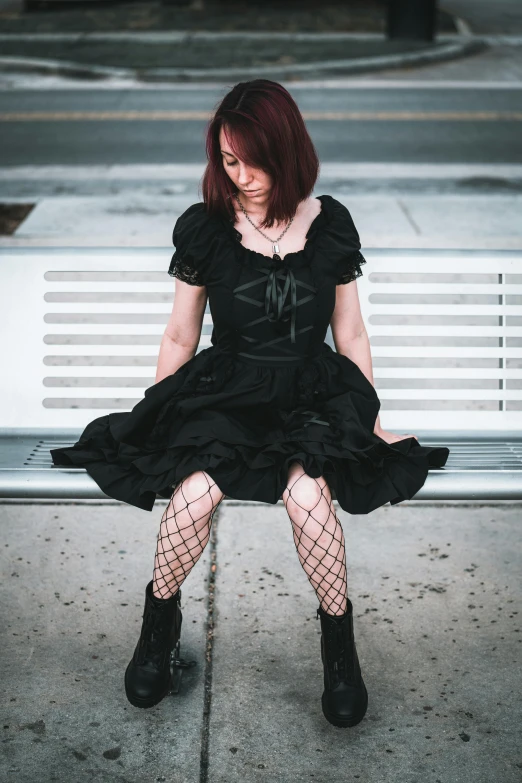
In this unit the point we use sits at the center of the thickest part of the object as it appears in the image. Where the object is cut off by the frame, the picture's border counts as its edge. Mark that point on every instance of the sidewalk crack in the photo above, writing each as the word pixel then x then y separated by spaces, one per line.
pixel 209 649
pixel 408 217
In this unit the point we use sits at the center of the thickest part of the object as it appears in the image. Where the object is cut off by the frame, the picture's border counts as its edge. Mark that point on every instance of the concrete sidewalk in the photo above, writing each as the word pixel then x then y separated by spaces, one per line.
pixel 435 590
pixel 406 219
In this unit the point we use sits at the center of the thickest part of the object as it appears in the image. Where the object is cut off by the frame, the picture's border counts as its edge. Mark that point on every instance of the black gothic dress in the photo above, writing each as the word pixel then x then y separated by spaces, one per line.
pixel 267 392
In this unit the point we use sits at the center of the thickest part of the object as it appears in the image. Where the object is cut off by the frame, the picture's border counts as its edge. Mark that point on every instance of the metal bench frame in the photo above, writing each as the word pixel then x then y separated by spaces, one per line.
pixel 44 368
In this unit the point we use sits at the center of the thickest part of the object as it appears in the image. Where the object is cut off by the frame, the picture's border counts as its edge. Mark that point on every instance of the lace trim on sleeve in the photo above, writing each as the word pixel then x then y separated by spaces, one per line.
pixel 352 268
pixel 184 270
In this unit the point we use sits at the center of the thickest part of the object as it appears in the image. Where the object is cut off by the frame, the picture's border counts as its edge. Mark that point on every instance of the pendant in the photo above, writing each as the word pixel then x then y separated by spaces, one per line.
pixel 275 248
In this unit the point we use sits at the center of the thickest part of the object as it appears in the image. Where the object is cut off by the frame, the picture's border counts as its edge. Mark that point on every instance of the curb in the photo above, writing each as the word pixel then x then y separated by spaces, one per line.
pixel 59 68
pixel 186 36
pixel 448 51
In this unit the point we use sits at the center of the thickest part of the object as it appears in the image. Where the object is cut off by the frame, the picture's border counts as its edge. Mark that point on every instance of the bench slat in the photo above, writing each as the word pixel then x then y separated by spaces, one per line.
pixel 70 484
pixel 485 469
pixel 52 357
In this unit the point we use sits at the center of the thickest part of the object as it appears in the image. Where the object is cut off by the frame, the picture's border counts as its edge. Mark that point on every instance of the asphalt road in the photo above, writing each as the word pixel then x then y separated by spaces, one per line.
pixel 155 126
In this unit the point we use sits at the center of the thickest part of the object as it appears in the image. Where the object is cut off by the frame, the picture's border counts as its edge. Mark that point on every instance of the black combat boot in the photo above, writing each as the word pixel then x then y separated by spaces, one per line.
pixel 149 675
pixel 345 698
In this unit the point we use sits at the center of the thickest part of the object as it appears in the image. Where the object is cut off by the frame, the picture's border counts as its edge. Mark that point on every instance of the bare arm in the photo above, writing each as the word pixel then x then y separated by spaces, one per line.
pixel 351 339
pixel 183 331
pixel 349 332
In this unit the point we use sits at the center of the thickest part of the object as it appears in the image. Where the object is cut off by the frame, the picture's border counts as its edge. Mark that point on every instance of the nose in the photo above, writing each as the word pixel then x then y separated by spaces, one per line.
pixel 245 175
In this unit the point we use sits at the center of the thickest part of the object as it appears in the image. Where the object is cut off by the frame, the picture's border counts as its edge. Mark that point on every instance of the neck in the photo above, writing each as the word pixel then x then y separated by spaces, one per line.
pixel 255 207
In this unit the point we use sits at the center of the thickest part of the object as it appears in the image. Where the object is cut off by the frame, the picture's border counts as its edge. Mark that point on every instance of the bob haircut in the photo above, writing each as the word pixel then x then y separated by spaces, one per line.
pixel 266 130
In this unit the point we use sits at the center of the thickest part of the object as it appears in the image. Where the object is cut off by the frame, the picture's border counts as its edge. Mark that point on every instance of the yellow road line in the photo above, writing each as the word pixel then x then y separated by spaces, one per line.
pixel 179 116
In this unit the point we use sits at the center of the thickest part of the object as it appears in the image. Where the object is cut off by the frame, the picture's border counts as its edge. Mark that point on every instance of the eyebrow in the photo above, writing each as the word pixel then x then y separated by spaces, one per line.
pixel 228 153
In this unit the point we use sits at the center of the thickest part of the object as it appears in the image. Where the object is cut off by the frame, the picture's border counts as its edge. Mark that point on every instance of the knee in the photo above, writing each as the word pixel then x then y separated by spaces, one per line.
pixel 199 492
pixel 302 496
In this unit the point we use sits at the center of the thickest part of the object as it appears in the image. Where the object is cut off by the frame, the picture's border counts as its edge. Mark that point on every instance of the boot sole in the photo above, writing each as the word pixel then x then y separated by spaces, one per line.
pixel 346 722
pixel 151 702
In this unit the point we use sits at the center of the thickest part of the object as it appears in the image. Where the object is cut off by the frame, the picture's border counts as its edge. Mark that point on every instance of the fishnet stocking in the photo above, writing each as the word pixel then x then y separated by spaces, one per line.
pixel 318 537
pixel 184 531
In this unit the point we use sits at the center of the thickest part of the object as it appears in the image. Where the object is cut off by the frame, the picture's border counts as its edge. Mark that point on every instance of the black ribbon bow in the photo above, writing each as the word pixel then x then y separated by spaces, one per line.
pixel 276 294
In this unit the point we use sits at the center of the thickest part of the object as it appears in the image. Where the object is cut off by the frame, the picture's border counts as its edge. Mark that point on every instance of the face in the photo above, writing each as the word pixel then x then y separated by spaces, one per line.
pixel 254 184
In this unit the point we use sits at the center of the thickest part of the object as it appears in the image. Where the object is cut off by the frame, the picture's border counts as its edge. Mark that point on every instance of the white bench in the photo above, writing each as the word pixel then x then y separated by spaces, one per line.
pixel 81 329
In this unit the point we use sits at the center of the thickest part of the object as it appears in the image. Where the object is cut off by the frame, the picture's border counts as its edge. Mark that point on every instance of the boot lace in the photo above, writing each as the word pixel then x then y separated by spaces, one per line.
pixel 152 638
pixel 340 653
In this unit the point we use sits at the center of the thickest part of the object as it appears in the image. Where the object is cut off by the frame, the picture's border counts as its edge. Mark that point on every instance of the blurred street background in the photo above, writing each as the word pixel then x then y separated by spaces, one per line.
pixel 103 108
pixel 432 147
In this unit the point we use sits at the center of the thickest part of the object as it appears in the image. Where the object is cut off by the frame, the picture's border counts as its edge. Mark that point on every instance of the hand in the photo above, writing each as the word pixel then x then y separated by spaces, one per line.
pixel 390 437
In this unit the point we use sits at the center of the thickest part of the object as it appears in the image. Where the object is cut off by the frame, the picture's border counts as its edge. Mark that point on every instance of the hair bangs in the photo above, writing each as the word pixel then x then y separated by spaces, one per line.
pixel 247 144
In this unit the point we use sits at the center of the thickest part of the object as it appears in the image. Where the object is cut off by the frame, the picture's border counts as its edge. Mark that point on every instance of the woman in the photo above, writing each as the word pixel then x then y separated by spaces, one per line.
pixel 269 411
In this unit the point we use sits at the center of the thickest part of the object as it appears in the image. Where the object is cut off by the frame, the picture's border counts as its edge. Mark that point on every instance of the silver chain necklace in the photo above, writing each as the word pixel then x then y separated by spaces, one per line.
pixel 273 242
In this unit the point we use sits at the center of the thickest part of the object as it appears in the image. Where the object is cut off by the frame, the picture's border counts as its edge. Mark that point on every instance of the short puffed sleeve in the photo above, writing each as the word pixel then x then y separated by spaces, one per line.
pixel 183 269
pixel 350 259
pixel 350 267
pixel 184 265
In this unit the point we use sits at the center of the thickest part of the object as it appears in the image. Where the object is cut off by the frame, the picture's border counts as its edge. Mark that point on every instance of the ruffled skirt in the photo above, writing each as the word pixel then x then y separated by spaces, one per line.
pixel 245 424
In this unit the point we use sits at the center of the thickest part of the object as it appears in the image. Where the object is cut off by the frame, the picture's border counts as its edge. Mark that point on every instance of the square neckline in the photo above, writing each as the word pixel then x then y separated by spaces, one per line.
pixel 320 215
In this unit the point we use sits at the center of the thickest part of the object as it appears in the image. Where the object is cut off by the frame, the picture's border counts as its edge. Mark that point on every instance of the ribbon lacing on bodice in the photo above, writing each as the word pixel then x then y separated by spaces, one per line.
pixel 275 296
pixel 281 284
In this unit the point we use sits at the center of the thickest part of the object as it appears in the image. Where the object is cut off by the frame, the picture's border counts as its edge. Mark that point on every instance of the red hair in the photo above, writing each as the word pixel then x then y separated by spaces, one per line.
pixel 266 130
